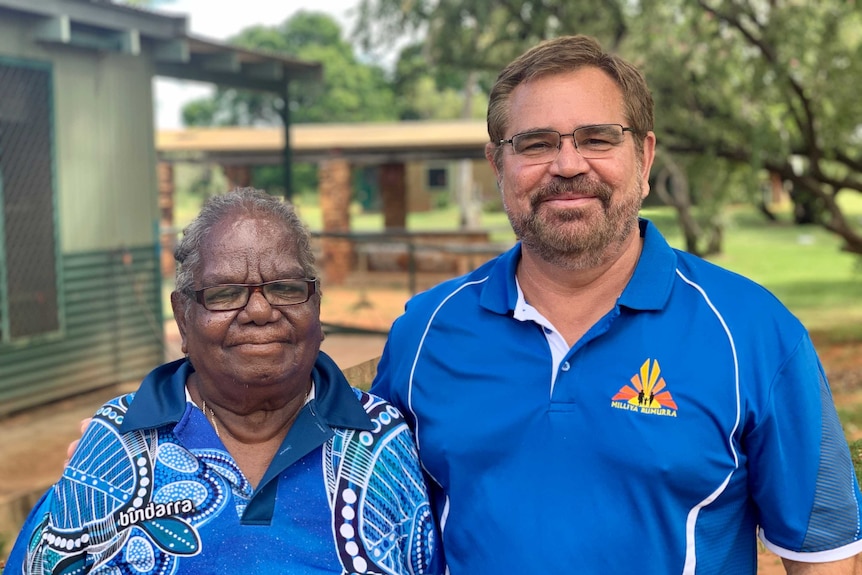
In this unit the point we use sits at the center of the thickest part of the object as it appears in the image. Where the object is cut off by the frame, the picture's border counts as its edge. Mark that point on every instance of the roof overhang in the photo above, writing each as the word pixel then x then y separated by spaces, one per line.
pixel 360 143
pixel 101 25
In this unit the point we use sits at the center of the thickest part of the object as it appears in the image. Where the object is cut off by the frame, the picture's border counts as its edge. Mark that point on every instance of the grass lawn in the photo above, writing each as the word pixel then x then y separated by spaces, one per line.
pixel 802 265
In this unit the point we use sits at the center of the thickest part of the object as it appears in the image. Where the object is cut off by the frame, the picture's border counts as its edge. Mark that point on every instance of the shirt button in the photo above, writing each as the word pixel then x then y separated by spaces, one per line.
pixel 548 330
pixel 565 366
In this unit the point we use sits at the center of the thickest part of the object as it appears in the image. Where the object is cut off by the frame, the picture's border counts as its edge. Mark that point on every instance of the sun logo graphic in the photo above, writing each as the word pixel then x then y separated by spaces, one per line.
pixel 646 393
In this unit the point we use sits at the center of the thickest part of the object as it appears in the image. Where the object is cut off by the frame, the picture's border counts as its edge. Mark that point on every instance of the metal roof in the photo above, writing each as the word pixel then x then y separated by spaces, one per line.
pixel 359 142
pixel 104 26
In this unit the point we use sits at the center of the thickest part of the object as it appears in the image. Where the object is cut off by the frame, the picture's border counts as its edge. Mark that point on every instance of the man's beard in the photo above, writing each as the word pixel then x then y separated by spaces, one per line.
pixel 577 247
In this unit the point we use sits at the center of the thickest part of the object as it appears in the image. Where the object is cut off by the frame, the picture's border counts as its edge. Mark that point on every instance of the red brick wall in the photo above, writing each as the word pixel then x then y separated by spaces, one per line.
pixel 335 196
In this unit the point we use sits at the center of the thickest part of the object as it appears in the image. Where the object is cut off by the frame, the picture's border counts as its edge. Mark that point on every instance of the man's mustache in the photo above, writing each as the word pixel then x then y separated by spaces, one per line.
pixel 579 185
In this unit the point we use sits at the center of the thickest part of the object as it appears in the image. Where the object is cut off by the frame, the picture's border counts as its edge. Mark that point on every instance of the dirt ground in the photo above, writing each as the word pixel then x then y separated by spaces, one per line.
pixel 33 446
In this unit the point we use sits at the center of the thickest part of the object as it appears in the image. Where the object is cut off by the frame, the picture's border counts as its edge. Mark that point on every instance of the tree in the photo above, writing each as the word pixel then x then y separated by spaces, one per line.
pixel 483 35
pixel 351 91
pixel 432 93
pixel 491 33
pixel 764 85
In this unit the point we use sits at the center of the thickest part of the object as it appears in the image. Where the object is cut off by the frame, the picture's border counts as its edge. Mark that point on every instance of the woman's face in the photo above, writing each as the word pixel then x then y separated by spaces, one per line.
pixel 260 345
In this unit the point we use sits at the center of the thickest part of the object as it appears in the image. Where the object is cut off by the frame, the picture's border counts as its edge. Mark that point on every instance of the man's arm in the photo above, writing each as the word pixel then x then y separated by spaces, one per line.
pixel 849 566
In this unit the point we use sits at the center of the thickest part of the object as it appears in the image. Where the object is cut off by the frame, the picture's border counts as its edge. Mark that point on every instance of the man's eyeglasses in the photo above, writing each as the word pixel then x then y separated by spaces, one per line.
pixel 229 297
pixel 543 146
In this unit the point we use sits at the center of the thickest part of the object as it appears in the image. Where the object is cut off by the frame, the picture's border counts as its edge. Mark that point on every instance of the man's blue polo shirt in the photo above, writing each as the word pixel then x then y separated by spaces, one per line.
pixel 152 490
pixel 691 414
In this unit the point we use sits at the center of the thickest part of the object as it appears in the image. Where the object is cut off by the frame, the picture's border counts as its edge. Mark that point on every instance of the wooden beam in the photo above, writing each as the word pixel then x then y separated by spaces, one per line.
pixel 264 70
pixel 129 42
pixel 221 62
pixel 172 51
pixel 55 29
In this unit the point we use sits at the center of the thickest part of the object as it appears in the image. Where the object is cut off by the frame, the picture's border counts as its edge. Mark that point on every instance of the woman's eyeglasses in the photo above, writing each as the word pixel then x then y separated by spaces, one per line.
pixel 229 297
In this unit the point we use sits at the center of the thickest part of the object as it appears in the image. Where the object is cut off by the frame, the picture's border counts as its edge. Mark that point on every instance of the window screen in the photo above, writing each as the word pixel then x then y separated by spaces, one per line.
pixel 28 259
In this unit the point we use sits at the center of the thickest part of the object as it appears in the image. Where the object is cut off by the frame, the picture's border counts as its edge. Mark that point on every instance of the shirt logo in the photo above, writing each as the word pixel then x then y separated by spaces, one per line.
pixel 154 510
pixel 646 393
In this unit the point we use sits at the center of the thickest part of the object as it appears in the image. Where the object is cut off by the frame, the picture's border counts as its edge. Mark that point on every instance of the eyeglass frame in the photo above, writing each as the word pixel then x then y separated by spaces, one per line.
pixel 571 135
pixel 311 284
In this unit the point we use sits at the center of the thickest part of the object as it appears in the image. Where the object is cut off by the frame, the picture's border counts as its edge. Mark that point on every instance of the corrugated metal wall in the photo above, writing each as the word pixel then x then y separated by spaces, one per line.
pixel 113 331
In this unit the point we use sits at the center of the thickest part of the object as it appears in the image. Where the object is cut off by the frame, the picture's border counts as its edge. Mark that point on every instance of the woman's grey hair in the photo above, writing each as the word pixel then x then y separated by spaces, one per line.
pixel 237 202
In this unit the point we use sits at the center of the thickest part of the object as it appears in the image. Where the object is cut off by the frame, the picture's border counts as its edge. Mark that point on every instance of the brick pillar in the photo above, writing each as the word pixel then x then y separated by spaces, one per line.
pixel 393 195
pixel 237 176
pixel 167 234
pixel 335 195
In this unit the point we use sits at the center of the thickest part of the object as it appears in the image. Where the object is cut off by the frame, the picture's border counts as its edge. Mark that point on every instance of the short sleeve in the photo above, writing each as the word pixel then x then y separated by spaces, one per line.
pixel 801 476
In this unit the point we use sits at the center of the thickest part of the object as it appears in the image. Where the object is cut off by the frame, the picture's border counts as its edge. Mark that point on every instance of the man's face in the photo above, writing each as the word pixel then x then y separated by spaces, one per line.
pixel 572 212
pixel 258 345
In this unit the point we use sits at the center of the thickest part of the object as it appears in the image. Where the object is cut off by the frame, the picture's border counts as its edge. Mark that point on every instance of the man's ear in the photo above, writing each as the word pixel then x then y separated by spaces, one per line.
pixel 647 161
pixel 490 153
pixel 179 306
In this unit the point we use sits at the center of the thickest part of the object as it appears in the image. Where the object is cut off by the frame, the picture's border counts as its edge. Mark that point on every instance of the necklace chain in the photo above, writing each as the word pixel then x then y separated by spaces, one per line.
pixel 209 414
pixel 211 417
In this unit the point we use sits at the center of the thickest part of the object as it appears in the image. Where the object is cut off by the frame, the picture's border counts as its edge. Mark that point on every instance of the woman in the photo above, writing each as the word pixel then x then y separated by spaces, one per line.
pixel 252 454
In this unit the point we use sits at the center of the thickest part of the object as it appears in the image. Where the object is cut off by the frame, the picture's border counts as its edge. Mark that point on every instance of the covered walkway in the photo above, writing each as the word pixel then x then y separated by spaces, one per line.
pixel 337 149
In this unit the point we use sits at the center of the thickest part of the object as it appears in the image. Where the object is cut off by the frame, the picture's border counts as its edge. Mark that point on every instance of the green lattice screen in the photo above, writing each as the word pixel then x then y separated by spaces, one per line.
pixel 28 270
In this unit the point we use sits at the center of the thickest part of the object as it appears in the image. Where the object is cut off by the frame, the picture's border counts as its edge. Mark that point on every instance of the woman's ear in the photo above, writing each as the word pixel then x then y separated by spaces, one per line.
pixel 179 304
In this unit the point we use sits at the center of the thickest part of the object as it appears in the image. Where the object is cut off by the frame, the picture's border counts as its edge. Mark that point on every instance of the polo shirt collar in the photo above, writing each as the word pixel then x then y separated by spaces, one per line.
pixel 500 294
pixel 648 289
pixel 161 398
pixel 335 400
pixel 650 285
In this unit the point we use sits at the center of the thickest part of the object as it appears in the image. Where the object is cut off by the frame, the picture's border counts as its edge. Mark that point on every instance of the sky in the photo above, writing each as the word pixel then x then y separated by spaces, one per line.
pixel 218 21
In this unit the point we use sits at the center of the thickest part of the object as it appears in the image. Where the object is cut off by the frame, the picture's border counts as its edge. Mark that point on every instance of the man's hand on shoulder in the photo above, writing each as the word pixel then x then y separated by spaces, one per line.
pixel 74 445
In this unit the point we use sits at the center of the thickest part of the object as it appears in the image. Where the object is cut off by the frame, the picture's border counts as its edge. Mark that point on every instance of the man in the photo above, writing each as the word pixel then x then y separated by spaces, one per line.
pixel 594 401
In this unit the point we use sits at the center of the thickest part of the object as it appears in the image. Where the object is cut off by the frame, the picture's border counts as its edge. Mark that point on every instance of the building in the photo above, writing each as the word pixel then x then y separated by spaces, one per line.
pixel 80 284
pixel 405 165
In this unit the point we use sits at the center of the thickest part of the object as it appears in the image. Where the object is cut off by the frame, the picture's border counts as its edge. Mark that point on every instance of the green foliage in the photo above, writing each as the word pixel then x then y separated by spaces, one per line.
pixel 801 265
pixel 744 89
pixel 482 35
pixel 200 112
pixel 271 179
pixel 351 90
pixel 441 92
pixel 424 101
pixel 763 86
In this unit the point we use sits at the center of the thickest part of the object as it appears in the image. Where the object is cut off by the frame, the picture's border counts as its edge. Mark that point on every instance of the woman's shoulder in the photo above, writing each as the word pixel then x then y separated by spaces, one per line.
pixel 375 406
pixel 105 424
pixel 111 414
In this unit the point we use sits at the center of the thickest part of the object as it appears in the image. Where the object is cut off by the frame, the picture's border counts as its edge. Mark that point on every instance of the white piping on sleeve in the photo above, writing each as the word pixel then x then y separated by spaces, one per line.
pixel 413 372
pixel 836 554
pixel 419 351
